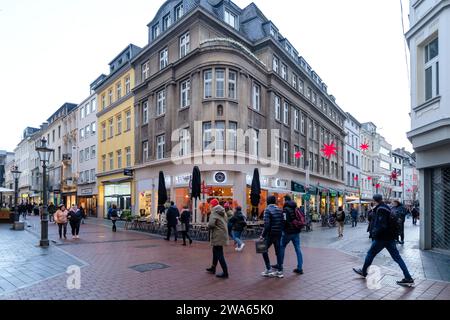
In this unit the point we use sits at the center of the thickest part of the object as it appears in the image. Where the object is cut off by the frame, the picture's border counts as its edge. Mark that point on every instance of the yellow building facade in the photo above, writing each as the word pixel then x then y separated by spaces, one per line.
pixel 115 120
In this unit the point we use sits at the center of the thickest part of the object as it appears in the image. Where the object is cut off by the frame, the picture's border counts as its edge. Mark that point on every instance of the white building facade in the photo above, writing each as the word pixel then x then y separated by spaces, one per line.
pixel 352 155
pixel 429 44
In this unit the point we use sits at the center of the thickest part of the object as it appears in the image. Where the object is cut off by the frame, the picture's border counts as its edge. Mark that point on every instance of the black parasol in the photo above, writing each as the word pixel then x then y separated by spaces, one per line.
pixel 255 193
pixel 162 192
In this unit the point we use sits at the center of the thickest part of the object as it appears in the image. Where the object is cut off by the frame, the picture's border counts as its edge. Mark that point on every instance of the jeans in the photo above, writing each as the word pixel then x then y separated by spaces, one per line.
pixel 114 228
pixel 276 241
pixel 219 257
pixel 169 231
pixel 62 226
pixel 354 222
pixel 285 239
pixel 75 226
pixel 237 237
pixel 377 246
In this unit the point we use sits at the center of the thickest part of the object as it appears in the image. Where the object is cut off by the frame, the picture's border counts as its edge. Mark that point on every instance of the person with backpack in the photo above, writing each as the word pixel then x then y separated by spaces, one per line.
pixel 354 215
pixel 51 211
pixel 293 224
pixel 185 219
pixel 237 223
pixel 74 216
pixel 113 216
pixel 273 228
pixel 340 218
pixel 384 232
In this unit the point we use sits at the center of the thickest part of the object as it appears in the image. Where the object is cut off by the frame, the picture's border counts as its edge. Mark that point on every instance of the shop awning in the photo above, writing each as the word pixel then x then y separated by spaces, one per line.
pixel 312 190
pixel 297 187
pixel 333 193
pixel 322 190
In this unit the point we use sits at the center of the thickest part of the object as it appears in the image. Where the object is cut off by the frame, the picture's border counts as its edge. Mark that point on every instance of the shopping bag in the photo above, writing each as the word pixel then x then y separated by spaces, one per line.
pixel 261 246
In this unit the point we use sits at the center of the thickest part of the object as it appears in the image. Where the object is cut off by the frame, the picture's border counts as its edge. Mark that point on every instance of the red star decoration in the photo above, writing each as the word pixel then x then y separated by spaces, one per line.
pixel 402 184
pixel 298 155
pixel 364 146
pixel 408 190
pixel 329 150
pixel 377 186
pixel 356 178
pixel 394 175
pixel 369 178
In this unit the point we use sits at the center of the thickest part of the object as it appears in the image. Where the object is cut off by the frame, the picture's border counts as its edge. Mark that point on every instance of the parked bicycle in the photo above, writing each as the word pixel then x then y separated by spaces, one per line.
pixel 331 221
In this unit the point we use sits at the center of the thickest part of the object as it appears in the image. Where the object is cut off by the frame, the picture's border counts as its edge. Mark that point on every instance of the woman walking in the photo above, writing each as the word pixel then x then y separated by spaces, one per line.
pixel 60 217
pixel 74 217
pixel 237 223
pixel 340 218
pixel 219 238
pixel 113 215
pixel 185 219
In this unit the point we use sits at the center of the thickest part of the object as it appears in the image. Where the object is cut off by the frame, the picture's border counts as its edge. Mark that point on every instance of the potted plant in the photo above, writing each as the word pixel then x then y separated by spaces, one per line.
pixel 126 215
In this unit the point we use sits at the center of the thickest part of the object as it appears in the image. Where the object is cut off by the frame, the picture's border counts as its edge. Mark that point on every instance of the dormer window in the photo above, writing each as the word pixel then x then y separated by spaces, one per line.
pixel 273 32
pixel 288 47
pixel 166 22
pixel 231 19
pixel 156 31
pixel 179 11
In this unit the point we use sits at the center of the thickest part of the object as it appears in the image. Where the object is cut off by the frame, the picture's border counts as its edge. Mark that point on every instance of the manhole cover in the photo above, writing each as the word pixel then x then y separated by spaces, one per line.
pixel 147 246
pixel 149 267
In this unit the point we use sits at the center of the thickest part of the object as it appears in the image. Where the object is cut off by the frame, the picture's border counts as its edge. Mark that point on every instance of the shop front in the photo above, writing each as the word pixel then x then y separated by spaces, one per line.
pixel 87 199
pixel 69 199
pixel 116 193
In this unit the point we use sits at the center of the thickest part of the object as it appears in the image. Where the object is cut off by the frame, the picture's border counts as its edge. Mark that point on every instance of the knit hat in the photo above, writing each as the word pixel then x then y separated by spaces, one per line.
pixel 214 203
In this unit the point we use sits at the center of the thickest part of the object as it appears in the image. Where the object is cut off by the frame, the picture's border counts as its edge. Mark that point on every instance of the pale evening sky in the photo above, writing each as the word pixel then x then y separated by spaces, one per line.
pixel 51 50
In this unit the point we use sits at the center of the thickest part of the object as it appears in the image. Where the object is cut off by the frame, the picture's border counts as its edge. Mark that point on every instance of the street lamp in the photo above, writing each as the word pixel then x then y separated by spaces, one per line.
pixel 44 156
pixel 16 175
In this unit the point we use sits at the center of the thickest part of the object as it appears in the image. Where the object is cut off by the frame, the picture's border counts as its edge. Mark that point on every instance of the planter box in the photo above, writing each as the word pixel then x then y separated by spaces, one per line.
pixel 4 215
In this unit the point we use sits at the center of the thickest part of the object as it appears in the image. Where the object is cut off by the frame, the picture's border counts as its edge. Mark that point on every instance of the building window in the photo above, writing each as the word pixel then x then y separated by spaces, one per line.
pixel 278 108
pixel 145 70
pixel 161 105
pixel 144 151
pixel 184 44
pixel 207 135
pixel 322 135
pixel 275 64
pixel 92 175
pixel 179 11
pixel 86 154
pixel 103 131
pixel 128 156
pixel 82 134
pixel 286 113
pixel 254 150
pixel 301 86
pixel 87 131
pixel 81 156
pixel 432 69
pixel 207 81
pixel 144 112
pixel 59 132
pixel 231 19
pixel 302 159
pixel 185 143
pixel 59 153
pixel 273 32
pixel 285 154
pixel 220 110
pixel 160 147
pixel 296 119
pixel 104 163
pixel 103 101
pixel 232 136
pixel 128 120
pixel 232 78
pixel 119 159
pixel 294 81
pixel 256 97
pixel 321 103
pixel 284 72
pixel 314 98
pixel 82 112
pixel 93 152
pixel 167 21
pixel 127 85
pixel 220 135
pixel 110 96
pixel 111 128
pixel 93 128
pixel 185 94
pixel 111 161
pixel 53 135
pixel 156 31
pixel 277 149
pixel 302 123
pixel 295 161
pixel 309 93
pixel 220 83
pixel 119 90
pixel 163 59
pixel 316 131
pixel 119 124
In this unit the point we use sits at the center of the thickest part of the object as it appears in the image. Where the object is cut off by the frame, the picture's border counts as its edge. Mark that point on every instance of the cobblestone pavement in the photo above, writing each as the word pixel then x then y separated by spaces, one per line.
pixel 119 266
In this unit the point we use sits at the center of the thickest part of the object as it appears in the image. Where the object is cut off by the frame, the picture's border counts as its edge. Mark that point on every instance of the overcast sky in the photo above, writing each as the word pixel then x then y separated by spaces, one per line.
pixel 51 50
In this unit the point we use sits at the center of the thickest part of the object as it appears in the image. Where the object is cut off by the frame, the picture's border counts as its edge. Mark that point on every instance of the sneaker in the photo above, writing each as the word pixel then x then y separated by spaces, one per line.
pixel 74 237
pixel 278 274
pixel 211 270
pixel 406 282
pixel 241 247
pixel 222 276
pixel 268 273
pixel 360 272
pixel 298 271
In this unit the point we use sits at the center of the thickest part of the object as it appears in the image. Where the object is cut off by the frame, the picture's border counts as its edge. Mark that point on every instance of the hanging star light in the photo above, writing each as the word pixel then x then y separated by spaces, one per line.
pixel 394 175
pixel 364 146
pixel 356 178
pixel 402 184
pixel 377 186
pixel 298 155
pixel 369 178
pixel 329 150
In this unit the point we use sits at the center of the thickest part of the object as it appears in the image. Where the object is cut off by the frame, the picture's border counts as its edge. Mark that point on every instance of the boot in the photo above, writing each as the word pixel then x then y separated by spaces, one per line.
pixel 211 270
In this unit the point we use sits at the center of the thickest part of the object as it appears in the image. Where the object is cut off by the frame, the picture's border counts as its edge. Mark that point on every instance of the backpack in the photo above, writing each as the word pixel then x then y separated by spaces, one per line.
pixel 339 216
pixel 300 220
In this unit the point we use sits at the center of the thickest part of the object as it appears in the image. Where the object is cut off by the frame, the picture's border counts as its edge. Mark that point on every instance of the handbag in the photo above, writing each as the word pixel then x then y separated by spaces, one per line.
pixel 182 227
pixel 261 246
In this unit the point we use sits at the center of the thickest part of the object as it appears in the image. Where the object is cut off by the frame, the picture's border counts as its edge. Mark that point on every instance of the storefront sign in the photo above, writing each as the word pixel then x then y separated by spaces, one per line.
pixel 297 187
pixel 220 177
pixel 128 172
pixel 263 180
pixel 280 183
pixel 182 179
pixel 86 191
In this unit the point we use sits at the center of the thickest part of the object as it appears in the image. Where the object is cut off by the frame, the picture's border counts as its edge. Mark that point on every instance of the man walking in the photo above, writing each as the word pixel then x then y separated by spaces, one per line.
pixel 292 228
pixel 415 215
pixel 273 227
pixel 354 215
pixel 400 212
pixel 384 231
pixel 172 217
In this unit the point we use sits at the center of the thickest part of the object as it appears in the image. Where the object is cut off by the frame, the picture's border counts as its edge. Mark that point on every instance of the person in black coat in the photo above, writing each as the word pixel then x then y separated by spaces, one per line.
pixel 172 220
pixel 185 220
pixel 400 212
pixel 237 224
pixel 354 214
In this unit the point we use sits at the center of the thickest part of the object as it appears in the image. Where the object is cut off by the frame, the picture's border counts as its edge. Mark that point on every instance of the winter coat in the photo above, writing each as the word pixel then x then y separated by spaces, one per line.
pixel 289 214
pixel 60 216
pixel 112 214
pixel 415 212
pixel 74 216
pixel 400 213
pixel 384 224
pixel 273 221
pixel 340 216
pixel 218 227
pixel 229 213
pixel 185 218
pixel 172 216
pixel 354 214
pixel 237 221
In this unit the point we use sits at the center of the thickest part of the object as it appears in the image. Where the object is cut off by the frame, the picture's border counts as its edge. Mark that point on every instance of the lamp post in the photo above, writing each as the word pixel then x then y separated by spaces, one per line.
pixel 44 156
pixel 16 175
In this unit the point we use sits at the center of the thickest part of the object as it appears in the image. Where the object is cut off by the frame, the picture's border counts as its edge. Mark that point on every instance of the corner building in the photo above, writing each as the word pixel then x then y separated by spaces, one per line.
pixel 210 69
